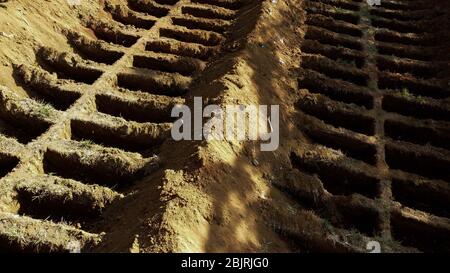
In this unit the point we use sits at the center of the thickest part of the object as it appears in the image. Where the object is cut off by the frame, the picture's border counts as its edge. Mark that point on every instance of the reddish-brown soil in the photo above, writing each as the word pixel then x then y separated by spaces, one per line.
pixel 87 159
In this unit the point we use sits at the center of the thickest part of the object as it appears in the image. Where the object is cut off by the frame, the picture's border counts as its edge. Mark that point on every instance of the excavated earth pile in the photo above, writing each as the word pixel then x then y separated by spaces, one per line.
pixel 87 161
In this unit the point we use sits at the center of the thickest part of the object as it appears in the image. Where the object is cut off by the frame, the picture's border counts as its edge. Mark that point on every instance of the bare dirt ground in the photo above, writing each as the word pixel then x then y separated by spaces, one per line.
pixel 87 160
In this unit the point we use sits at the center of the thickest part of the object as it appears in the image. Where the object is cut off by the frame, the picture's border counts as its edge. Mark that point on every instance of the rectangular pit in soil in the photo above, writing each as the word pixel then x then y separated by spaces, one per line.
pixel 337 179
pixel 7 164
pixel 133 110
pixel 426 196
pixel 424 236
pixel 418 162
